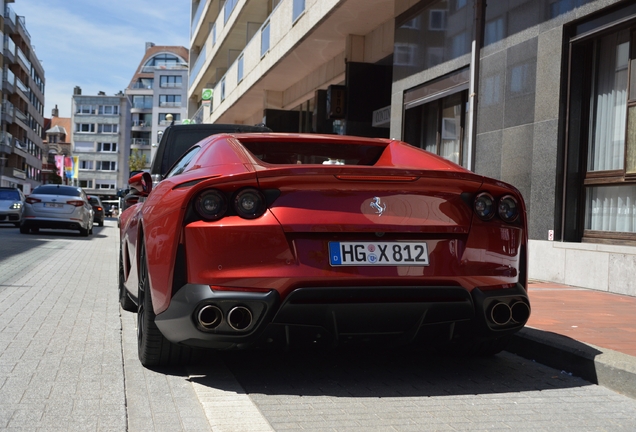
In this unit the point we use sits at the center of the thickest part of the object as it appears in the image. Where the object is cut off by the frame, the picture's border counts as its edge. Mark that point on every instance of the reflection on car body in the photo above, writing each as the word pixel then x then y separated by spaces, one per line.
pixel 252 240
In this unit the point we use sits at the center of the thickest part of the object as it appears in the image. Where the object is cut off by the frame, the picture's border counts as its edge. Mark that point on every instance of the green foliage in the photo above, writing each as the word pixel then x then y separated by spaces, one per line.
pixel 137 161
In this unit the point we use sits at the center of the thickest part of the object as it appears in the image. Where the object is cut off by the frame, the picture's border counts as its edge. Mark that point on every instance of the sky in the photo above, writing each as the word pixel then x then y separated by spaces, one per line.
pixel 96 44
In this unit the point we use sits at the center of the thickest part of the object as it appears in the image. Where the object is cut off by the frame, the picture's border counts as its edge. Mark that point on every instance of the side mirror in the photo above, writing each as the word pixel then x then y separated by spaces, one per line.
pixel 141 183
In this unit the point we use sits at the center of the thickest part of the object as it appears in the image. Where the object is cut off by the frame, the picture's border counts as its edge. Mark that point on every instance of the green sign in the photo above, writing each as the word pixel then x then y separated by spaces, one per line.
pixel 207 94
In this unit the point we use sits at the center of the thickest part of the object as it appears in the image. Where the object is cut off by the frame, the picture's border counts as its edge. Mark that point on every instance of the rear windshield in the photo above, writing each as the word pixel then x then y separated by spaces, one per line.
pixel 56 190
pixel 9 195
pixel 315 153
pixel 94 201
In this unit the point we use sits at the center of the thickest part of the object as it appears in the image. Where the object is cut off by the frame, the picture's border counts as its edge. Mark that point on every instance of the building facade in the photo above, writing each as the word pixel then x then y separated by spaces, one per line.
pixel 22 115
pixel 538 93
pixel 157 95
pixel 99 141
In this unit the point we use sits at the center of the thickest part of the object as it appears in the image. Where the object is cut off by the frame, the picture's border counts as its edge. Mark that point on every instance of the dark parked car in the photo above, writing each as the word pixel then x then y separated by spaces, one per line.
pixel 11 205
pixel 98 209
pixel 266 240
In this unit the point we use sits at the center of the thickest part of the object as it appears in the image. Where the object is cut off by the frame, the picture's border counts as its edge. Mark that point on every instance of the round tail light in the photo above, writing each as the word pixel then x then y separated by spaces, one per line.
pixel 211 205
pixel 508 209
pixel 485 206
pixel 249 203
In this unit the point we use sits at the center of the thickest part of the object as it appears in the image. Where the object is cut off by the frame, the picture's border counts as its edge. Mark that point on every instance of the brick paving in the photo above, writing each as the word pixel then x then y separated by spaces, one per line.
pixel 595 317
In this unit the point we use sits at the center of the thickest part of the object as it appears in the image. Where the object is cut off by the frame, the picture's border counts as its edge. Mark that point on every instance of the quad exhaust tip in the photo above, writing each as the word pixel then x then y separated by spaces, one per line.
pixel 239 318
pixel 502 314
pixel 209 317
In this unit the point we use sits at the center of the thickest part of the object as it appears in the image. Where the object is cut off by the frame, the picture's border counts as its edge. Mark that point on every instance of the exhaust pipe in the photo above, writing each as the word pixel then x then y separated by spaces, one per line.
pixel 500 314
pixel 239 318
pixel 520 312
pixel 209 317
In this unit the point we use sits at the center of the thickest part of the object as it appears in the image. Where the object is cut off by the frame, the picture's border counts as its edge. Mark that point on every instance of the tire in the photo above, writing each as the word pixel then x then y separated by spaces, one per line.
pixel 17 224
pixel 124 300
pixel 153 348
pixel 101 223
pixel 24 230
pixel 84 232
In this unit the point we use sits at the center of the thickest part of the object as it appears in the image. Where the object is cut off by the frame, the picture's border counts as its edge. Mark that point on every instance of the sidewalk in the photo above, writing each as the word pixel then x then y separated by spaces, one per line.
pixel 591 334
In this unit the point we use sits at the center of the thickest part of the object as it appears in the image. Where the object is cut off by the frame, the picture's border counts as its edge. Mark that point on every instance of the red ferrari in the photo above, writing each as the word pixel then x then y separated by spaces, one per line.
pixel 257 240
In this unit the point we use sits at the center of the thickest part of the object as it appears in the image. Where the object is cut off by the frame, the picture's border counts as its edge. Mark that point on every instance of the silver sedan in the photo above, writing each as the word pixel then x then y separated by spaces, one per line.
pixel 57 207
pixel 11 205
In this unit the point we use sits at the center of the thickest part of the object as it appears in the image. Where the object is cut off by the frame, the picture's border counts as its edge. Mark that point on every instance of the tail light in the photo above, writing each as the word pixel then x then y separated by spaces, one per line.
pixel 508 209
pixel 99 208
pixel 33 200
pixel 211 205
pixel 485 206
pixel 75 203
pixel 249 203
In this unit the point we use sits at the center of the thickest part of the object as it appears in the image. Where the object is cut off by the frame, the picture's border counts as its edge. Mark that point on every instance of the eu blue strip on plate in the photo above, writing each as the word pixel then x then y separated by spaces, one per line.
pixel 334 253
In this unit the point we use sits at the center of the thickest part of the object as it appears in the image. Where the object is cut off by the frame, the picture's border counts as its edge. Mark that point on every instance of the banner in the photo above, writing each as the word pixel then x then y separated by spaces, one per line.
pixel 68 166
pixel 59 164
pixel 75 167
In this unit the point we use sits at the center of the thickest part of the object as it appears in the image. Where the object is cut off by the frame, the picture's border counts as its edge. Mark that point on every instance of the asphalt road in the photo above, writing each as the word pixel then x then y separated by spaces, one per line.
pixel 68 362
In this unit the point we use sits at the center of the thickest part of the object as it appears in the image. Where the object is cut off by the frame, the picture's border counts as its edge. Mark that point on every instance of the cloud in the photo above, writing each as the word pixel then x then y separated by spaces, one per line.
pixel 97 45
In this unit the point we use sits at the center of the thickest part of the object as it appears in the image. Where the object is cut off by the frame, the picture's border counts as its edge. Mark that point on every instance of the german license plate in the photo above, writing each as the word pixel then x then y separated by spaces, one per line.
pixel 378 253
pixel 55 205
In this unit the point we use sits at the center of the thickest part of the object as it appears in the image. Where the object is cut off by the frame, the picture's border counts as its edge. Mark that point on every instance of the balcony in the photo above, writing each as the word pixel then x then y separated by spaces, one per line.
pixel 139 143
pixel 24 59
pixel 165 66
pixel 141 125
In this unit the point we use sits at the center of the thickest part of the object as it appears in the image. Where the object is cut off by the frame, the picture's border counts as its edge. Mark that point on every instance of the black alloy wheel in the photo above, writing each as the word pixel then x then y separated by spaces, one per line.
pixel 153 348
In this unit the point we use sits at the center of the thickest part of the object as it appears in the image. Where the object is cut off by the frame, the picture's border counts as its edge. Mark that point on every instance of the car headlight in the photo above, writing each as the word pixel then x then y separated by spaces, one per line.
pixel 211 205
pixel 508 209
pixel 485 206
pixel 249 203
pixel 16 206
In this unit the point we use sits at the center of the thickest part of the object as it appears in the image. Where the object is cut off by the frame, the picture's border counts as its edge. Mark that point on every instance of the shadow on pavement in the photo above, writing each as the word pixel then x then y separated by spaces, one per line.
pixel 378 373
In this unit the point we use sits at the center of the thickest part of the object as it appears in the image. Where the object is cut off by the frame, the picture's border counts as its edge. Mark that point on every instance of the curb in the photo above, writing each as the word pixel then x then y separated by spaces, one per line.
pixel 611 369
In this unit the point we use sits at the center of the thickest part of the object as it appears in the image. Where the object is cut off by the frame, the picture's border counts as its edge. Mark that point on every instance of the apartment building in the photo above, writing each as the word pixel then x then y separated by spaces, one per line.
pixel 538 93
pixel 100 137
pixel 157 95
pixel 22 115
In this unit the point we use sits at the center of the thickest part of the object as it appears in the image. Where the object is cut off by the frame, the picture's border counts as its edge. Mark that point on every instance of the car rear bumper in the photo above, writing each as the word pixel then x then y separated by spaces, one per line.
pixel 53 224
pixel 199 316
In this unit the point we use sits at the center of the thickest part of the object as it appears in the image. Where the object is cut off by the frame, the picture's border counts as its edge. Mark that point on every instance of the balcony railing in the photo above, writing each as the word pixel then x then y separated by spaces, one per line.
pixel 8 108
pixel 168 123
pixel 142 105
pixel 22 23
pixel 24 58
pixel 20 115
pixel 19 84
pixel 9 45
pixel 140 142
pixel 142 86
pixel 149 69
pixel 9 14
pixel 169 104
pixel 197 16
pixel 198 63
pixel 141 123
pixel 171 85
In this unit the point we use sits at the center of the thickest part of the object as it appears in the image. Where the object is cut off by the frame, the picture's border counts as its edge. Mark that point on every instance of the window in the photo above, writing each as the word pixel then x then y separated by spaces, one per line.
pixel 163 122
pixel 106 165
pixel 213 31
pixel 297 9
pixel 86 184
pixel 223 89
pixel 600 194
pixel 85 164
pixel 104 184
pixel 239 69
pixel 170 100
pixel 171 81
pixel 182 163
pixel 85 127
pixel 85 109
pixel 142 102
pixel 108 128
pixel 84 146
pixel 109 109
pixel 437 20
pixel 105 147
pixel 265 39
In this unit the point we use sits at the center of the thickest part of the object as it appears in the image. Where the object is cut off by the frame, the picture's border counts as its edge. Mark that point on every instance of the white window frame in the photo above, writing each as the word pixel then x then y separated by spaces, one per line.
pixel 89 183
pixel 85 127
pixel 86 165
pixel 265 31
pixel 114 110
pixel 111 146
pixel 85 109
pixel 110 166
pixel 108 128
pixel 240 65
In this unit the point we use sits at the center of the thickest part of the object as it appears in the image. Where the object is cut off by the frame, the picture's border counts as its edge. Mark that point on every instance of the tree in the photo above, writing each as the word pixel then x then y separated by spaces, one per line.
pixel 137 161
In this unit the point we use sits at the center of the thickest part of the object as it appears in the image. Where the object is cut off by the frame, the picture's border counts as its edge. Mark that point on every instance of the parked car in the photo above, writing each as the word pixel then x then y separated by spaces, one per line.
pixel 287 239
pixel 57 207
pixel 11 205
pixel 98 209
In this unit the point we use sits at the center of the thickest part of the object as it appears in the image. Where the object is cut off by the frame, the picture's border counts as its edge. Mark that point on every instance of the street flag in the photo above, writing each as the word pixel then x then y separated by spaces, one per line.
pixel 75 167
pixel 59 164
pixel 68 166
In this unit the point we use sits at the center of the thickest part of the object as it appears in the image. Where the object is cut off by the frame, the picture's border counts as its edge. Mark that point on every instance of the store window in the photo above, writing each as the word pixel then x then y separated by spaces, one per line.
pixel 435 116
